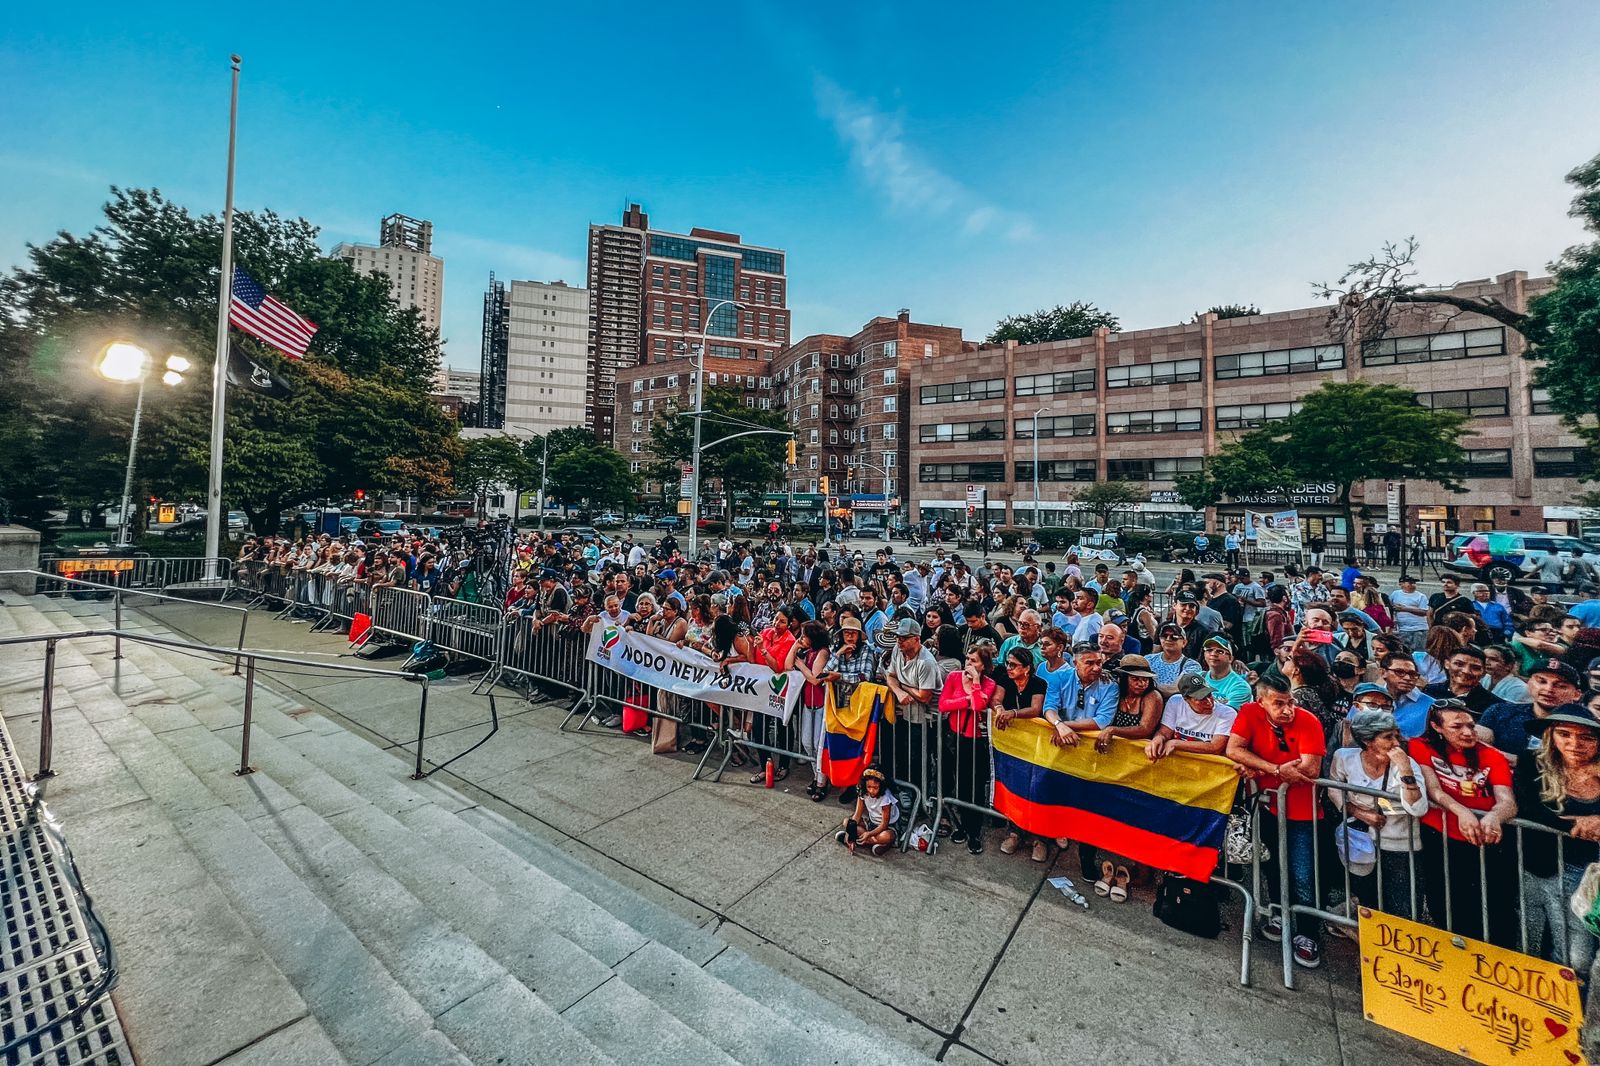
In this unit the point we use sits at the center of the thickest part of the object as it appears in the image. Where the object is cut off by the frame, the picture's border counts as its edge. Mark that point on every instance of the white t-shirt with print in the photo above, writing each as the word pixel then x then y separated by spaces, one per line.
pixel 876 806
pixel 1188 725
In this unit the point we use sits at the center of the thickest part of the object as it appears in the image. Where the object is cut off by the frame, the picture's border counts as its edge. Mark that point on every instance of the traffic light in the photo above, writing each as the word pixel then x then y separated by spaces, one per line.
pixel 791 452
pixel 361 494
pixel 823 483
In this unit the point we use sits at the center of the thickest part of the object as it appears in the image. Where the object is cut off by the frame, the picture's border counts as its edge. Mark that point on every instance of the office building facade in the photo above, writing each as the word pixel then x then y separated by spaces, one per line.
pixel 403 254
pixel 535 363
pixel 1148 406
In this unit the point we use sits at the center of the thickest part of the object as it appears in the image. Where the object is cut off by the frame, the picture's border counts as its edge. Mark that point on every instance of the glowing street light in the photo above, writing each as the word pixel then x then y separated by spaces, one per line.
pixel 125 362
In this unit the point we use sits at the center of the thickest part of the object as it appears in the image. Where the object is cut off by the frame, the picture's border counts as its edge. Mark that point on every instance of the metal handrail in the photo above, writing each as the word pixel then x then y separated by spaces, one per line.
pixel 117 594
pixel 251 658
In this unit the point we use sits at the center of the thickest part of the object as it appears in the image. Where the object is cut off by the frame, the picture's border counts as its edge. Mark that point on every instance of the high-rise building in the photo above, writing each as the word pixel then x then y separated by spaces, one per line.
pixel 535 337
pixel 652 290
pixel 404 253
pixel 546 356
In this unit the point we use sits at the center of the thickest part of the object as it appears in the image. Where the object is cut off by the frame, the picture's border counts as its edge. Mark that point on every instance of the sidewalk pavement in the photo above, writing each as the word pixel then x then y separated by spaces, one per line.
pixel 973 956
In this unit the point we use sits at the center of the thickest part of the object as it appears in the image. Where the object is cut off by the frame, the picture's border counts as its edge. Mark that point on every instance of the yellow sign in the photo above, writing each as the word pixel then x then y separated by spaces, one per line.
pixel 1491 1004
pixel 168 512
pixel 104 566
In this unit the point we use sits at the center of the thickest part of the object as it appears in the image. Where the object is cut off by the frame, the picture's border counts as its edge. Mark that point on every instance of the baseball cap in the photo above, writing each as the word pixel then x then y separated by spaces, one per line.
pixel 1193 685
pixel 1557 667
pixel 1219 640
pixel 1185 597
pixel 668 574
pixel 908 627
pixel 1171 629
pixel 1369 688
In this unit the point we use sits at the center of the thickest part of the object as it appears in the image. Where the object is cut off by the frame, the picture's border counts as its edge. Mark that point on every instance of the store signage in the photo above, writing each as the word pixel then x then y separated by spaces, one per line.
pixel 1310 492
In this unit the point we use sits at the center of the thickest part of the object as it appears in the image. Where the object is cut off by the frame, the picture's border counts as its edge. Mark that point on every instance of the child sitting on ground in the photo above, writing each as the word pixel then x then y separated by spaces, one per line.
pixel 872 823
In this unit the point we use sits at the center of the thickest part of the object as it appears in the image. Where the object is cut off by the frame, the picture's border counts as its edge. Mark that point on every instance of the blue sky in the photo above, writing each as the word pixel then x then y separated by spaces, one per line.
pixel 1152 158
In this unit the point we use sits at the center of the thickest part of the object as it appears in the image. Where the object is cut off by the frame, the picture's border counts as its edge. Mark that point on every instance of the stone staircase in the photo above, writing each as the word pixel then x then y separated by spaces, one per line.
pixel 327 909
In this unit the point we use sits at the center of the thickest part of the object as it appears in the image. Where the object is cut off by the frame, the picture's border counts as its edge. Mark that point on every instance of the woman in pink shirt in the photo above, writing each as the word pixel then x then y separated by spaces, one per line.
pixel 965 701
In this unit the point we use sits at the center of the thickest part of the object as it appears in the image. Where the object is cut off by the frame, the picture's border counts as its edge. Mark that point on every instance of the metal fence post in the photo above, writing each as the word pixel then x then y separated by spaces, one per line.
pixel 117 600
pixel 249 713
pixel 422 728
pixel 46 712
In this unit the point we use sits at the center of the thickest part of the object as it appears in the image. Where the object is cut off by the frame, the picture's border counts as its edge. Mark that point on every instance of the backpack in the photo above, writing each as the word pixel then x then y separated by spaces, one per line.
pixel 1189 905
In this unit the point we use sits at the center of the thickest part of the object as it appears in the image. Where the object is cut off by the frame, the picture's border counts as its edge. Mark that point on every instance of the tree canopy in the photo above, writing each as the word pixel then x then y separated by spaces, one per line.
pixel 1344 433
pixel 357 414
pixel 749 464
pixel 1234 310
pixel 592 474
pixel 1058 323
pixel 1104 499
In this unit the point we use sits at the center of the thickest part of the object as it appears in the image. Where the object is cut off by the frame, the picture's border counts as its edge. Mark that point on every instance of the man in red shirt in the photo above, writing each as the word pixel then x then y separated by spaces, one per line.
pixel 1276 743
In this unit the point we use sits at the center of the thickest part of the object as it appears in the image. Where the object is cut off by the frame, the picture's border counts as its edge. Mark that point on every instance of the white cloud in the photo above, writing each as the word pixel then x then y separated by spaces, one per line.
pixel 878 146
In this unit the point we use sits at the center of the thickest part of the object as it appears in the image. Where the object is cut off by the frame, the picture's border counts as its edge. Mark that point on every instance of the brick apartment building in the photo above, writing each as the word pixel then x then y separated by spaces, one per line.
pixel 1149 405
pixel 849 401
pixel 651 293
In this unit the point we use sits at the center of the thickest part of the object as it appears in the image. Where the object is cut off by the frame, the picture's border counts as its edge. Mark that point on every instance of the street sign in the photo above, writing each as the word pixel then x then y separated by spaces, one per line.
pixel 975 496
pixel 1393 501
pixel 686 480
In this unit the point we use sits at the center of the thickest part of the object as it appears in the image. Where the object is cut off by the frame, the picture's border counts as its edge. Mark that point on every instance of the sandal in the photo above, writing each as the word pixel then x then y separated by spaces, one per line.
pixel 1119 890
pixel 781 773
pixel 759 778
pixel 1102 887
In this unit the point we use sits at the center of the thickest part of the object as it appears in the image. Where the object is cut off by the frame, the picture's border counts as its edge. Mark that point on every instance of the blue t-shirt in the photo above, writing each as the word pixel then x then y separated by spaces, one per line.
pixel 1587 612
pixel 1509 724
pixel 1053 680
pixel 1347 578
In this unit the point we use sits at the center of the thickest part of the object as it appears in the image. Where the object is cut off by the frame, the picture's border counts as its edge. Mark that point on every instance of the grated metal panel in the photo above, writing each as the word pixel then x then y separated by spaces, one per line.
pixel 56 967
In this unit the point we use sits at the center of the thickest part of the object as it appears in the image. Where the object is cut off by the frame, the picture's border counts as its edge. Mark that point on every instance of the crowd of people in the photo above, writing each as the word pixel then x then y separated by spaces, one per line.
pixel 1434 720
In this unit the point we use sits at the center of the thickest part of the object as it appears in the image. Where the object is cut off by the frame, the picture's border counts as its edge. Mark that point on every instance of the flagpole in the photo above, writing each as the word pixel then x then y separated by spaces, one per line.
pixel 215 515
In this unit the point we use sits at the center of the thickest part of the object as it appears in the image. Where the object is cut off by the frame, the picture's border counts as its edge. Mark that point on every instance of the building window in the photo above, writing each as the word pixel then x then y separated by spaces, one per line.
pixel 888 460
pixel 815 409
pixel 1058 426
pixel 1057 470
pixel 1488 462
pixel 1434 347
pixel 889 377
pixel 811 463
pixel 991 429
pixel 890 404
pixel 814 436
pixel 888 431
pixel 833 462
pixel 1151 469
pixel 833 436
pixel 1559 462
pixel 1539 401
pixel 1253 415
pixel 961 472
pixel 1171 372
pixel 1183 420
pixel 962 391
pixel 891 349
pixel 1474 403
pixel 1280 361
pixel 1050 384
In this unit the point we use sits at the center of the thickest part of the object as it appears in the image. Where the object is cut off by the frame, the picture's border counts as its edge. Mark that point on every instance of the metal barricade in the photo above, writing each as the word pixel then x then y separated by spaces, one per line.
pixel 464 628
pixel 400 613
pixel 542 657
pixel 1481 891
pixel 346 599
pixel 609 693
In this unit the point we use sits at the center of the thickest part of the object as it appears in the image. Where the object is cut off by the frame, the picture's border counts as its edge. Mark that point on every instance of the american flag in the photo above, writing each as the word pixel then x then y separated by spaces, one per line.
pixel 264 318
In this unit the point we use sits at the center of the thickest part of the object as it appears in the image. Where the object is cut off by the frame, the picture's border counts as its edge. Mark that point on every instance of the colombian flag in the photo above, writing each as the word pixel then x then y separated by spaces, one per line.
pixel 1171 814
pixel 849 734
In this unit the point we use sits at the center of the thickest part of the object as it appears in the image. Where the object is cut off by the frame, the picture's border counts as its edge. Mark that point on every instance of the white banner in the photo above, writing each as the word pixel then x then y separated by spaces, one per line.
pixel 1274 531
pixel 693 675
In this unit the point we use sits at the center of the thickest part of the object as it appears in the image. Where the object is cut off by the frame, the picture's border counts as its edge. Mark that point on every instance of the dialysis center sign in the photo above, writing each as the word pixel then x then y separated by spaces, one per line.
pixel 692 674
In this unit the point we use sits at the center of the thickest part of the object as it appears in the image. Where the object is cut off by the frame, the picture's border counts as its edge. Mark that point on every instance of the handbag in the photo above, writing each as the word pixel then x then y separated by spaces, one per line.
pixel 1188 905
pixel 1355 842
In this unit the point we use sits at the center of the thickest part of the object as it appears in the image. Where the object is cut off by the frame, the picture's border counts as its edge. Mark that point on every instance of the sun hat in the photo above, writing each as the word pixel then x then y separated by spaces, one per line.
pixel 852 623
pixel 1135 666
pixel 1566 714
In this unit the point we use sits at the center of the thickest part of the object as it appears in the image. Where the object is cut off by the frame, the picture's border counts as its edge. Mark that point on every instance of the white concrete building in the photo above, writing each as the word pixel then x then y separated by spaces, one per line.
pixel 547 336
pixel 453 381
pixel 404 254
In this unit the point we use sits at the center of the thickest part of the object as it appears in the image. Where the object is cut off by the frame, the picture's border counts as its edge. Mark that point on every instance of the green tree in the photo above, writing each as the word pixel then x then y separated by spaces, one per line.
pixel 1563 325
pixel 357 416
pixel 1234 310
pixel 748 464
pixel 1345 433
pixel 1058 323
pixel 487 462
pixel 1104 499
pixel 594 475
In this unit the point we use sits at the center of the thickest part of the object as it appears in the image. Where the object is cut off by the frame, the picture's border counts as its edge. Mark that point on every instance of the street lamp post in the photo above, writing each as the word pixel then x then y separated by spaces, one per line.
pixel 1047 407
pixel 699 402
pixel 874 466
pixel 124 361
pixel 544 464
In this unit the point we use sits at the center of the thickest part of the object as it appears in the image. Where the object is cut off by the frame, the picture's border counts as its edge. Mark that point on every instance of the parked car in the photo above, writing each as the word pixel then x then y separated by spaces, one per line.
pixel 585 534
pixel 349 524
pixel 388 527
pixel 235 521
pixel 608 520
pixel 669 522
pixel 641 521
pixel 748 524
pixel 1492 555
